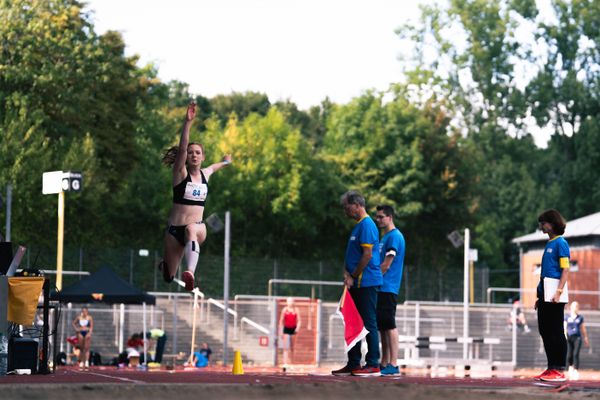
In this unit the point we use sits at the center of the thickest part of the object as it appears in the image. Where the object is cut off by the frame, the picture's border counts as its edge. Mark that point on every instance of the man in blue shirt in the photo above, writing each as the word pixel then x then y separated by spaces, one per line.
pixel 362 277
pixel 391 253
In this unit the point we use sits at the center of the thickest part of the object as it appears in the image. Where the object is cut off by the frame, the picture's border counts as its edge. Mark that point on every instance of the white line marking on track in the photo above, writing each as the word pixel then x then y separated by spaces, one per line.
pixel 112 377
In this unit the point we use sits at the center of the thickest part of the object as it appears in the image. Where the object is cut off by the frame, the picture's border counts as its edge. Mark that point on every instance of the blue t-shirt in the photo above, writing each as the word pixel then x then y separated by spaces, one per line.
pixel 364 234
pixel 392 241
pixel 201 359
pixel 556 249
pixel 574 325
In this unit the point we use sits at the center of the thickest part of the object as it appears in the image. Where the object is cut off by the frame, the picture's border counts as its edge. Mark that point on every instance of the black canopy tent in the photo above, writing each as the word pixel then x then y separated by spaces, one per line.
pixel 103 286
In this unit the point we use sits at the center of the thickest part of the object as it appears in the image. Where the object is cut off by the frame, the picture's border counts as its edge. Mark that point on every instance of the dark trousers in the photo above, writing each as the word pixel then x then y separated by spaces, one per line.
pixel 550 323
pixel 160 348
pixel 365 300
pixel 574 345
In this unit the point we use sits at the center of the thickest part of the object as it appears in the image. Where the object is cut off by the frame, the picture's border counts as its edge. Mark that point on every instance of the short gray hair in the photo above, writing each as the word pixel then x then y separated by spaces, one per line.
pixel 353 197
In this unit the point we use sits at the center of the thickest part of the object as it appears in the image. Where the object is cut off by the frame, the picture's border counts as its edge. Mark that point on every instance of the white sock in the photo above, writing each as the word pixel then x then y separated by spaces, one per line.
pixel 192 252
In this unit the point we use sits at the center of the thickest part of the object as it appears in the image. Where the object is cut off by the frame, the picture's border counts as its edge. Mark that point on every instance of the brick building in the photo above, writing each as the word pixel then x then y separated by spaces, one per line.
pixel 583 236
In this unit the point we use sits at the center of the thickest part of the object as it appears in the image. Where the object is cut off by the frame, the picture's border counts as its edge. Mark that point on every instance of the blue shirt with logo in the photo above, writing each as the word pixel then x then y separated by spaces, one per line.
pixel 574 324
pixel 392 241
pixel 364 234
pixel 556 249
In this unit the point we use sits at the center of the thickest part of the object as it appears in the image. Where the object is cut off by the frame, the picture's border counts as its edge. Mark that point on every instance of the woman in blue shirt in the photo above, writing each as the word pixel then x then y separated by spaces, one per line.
pixel 551 313
pixel 575 330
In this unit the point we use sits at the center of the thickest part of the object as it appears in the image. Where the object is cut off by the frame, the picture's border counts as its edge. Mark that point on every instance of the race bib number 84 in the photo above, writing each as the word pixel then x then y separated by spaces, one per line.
pixel 195 191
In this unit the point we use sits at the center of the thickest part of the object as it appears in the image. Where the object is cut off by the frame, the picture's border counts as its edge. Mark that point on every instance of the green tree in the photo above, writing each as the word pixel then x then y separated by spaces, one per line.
pixel 398 154
pixel 68 101
pixel 312 123
pixel 240 104
pixel 506 68
pixel 280 196
pixel 145 200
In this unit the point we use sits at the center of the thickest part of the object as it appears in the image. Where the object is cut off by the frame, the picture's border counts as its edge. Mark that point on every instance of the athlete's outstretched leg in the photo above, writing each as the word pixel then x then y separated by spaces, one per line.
pixel 192 253
pixel 195 234
pixel 172 257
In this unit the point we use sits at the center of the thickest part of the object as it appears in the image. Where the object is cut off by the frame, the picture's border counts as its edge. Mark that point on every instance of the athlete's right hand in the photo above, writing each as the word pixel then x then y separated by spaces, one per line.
pixel 348 281
pixel 191 111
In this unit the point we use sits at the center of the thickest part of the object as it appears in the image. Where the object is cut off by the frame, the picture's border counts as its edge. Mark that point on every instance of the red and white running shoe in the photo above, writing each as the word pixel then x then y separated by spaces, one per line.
pixel 553 376
pixel 188 278
pixel 538 377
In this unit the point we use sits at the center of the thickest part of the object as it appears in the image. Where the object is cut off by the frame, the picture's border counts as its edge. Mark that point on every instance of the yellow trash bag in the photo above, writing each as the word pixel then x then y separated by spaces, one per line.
pixel 23 295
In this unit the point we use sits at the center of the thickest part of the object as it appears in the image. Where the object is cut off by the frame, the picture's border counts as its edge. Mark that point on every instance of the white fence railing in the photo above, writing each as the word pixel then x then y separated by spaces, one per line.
pixel 254 316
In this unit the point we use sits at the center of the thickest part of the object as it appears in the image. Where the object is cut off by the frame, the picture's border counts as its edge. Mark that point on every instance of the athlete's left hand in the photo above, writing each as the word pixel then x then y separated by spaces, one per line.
pixel 191 111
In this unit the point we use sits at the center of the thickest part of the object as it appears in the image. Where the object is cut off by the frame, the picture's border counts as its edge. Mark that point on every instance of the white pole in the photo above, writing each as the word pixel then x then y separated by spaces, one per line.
pixel 194 308
pixel 226 283
pixel 520 273
pixel 175 313
pixel 273 328
pixel 69 307
pixel 144 339
pixel 59 240
pixel 116 324
pixel 466 294
pixel 318 342
pixel 417 327
pixel 121 327
pixel 62 333
pixel 514 337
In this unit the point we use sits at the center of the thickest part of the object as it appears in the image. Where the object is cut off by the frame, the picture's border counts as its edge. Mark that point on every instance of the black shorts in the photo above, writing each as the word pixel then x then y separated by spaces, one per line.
pixel 386 310
pixel 289 331
pixel 178 232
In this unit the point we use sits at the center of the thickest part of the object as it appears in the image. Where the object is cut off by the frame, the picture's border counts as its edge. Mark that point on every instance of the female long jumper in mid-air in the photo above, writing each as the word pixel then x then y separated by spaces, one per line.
pixel 186 230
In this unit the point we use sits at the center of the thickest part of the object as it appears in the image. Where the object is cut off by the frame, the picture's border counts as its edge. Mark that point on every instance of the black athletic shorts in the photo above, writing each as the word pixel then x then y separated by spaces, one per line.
pixel 289 331
pixel 386 310
pixel 178 232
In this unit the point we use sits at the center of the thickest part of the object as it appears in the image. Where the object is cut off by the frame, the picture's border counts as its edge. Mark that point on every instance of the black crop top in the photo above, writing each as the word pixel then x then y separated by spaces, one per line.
pixel 190 193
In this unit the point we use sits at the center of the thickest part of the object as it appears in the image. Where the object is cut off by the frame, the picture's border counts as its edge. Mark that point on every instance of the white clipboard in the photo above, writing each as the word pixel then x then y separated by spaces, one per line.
pixel 550 286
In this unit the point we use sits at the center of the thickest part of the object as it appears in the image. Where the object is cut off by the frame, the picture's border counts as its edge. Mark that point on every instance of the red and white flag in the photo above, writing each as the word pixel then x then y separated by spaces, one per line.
pixel 354 328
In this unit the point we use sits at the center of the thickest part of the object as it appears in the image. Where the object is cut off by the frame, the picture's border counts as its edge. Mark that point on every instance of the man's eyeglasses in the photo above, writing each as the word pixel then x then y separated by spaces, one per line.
pixel 380 216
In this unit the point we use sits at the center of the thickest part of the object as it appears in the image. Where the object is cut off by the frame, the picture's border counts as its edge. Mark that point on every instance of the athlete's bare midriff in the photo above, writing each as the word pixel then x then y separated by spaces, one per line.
pixel 183 214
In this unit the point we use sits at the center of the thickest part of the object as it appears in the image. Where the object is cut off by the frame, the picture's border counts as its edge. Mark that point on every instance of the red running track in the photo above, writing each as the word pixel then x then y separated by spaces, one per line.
pixel 262 376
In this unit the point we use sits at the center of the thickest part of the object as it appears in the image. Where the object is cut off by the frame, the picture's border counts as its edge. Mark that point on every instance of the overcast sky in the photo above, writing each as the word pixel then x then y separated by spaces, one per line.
pixel 302 50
